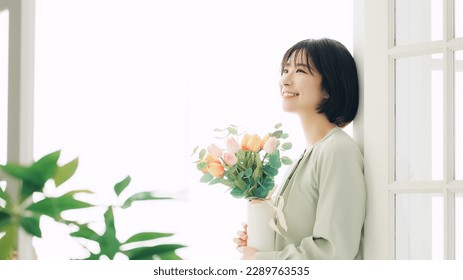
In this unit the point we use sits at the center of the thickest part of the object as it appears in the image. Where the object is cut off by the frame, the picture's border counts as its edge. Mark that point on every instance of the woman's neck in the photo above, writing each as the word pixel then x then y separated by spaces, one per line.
pixel 315 128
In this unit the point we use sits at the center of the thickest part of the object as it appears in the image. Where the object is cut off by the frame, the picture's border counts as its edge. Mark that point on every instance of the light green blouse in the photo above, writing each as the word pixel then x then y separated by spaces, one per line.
pixel 325 200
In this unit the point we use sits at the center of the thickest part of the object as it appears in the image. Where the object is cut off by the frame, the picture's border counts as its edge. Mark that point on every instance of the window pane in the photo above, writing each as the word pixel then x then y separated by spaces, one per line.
pixel 3 84
pixel 418 21
pixel 419 118
pixel 459 115
pixel 419 226
pixel 459 226
pixel 458 18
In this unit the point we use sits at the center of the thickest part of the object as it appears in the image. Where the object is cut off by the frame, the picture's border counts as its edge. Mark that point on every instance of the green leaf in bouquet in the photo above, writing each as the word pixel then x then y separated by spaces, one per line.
pixel 240 175
pixel 260 192
pixel 284 136
pixel 277 134
pixel 274 160
pixel 270 171
pixel 286 160
pixel 250 182
pixel 195 150
pixel 287 146
pixel 120 187
pixel 242 184
pixel 63 173
pixel 216 181
pixel 147 236
pixel 53 206
pixel 278 125
pixel 232 130
pixel 267 183
pixel 201 165
pixel 140 197
pixel 31 225
pixel 237 193
pixel 202 154
pixel 206 178
pixel 248 172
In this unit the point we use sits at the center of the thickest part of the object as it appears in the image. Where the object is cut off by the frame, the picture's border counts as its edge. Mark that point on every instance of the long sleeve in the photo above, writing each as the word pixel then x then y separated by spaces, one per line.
pixel 326 205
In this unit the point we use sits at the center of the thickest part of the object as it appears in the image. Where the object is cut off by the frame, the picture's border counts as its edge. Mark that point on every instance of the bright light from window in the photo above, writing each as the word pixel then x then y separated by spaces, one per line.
pixel 4 23
pixel 132 87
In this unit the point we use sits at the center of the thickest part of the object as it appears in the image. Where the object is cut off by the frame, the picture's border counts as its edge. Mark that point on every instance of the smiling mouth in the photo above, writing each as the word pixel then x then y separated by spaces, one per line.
pixel 289 94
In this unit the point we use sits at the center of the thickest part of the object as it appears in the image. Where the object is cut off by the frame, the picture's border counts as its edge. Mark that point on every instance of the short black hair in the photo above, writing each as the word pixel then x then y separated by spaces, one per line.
pixel 339 76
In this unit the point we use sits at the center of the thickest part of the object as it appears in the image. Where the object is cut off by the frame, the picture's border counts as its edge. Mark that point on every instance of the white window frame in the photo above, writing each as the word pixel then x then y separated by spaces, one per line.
pixel 374 129
pixel 20 97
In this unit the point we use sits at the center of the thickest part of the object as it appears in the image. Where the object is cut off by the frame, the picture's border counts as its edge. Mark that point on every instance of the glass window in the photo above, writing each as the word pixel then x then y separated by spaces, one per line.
pixel 419 118
pixel 459 226
pixel 136 92
pixel 4 23
pixel 418 21
pixel 459 115
pixel 419 226
pixel 458 18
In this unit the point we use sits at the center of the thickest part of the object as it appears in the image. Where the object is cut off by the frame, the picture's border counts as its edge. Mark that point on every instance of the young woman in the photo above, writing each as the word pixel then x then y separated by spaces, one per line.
pixel 324 191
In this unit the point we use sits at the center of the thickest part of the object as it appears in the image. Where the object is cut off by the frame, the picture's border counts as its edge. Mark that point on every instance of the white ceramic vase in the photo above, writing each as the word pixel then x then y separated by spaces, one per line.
pixel 260 235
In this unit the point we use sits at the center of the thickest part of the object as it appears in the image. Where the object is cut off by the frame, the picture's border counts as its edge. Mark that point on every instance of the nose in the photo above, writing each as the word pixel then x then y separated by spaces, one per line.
pixel 286 79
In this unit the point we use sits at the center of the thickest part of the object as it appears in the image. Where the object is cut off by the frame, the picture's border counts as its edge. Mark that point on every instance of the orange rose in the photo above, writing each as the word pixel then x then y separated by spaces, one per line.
pixel 209 159
pixel 244 142
pixel 216 169
pixel 253 143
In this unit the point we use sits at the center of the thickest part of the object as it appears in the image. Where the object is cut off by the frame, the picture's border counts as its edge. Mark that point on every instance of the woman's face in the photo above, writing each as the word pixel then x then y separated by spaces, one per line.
pixel 301 89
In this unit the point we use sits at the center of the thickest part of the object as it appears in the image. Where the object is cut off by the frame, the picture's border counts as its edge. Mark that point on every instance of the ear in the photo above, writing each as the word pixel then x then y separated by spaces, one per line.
pixel 325 95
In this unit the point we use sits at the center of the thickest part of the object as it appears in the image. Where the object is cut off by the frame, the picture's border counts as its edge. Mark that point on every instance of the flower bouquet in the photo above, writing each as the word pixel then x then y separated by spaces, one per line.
pixel 248 168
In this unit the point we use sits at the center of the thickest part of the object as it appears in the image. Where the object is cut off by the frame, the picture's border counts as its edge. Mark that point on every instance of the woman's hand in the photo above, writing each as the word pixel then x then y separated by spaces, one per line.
pixel 242 237
pixel 242 244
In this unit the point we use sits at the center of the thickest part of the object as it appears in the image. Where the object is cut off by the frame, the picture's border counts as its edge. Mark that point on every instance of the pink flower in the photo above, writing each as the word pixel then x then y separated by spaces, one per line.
pixel 232 145
pixel 229 158
pixel 270 145
pixel 214 150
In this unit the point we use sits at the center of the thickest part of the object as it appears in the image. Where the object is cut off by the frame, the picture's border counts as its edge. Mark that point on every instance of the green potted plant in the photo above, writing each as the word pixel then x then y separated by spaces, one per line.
pixel 26 214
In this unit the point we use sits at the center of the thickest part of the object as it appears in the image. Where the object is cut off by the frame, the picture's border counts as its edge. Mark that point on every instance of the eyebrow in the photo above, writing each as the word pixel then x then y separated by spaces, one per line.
pixel 298 65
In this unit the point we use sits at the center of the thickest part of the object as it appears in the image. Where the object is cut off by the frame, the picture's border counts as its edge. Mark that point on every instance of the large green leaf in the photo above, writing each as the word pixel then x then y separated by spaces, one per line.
pixel 141 196
pixel 120 187
pixel 147 236
pixel 5 219
pixel 63 173
pixel 4 196
pixel 45 167
pixel 7 242
pixel 53 206
pixel 38 174
pixel 147 253
pixel 19 172
pixel 31 225
pixel 85 232
pixel 109 244
pixel 169 255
